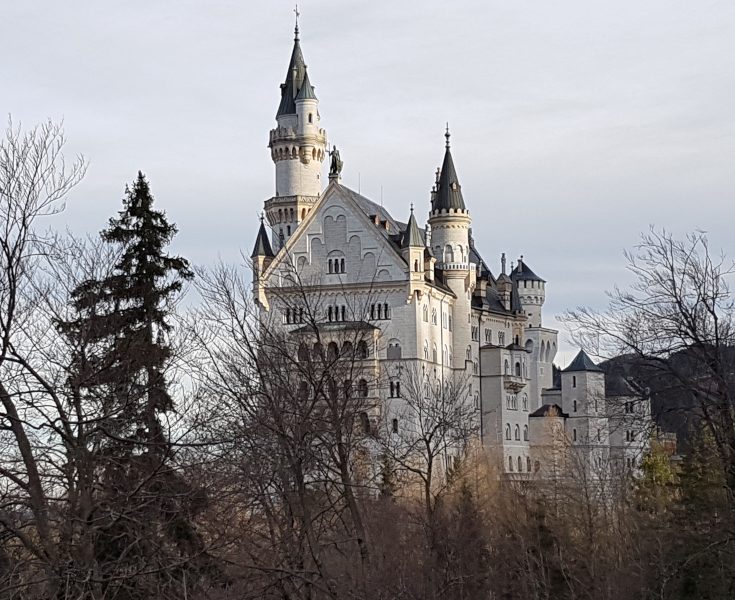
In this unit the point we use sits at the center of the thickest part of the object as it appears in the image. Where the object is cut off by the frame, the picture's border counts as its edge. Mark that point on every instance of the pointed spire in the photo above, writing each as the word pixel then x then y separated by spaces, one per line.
pixel 262 244
pixel 294 78
pixel 306 91
pixel 412 237
pixel 448 191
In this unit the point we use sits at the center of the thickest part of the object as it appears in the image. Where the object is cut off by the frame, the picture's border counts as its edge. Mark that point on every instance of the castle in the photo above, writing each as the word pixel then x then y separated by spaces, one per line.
pixel 430 298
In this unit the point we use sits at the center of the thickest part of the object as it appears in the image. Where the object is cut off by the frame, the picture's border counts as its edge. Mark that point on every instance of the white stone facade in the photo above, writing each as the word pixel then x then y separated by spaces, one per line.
pixel 436 305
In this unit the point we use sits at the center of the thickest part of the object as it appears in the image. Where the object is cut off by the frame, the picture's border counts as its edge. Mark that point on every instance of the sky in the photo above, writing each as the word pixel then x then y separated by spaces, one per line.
pixel 575 125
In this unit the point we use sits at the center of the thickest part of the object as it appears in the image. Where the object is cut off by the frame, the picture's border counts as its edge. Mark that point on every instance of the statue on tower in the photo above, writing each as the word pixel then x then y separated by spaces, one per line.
pixel 335 166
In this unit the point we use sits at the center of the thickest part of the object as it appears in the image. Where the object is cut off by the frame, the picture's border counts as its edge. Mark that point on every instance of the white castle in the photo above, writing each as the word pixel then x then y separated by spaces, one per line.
pixel 430 298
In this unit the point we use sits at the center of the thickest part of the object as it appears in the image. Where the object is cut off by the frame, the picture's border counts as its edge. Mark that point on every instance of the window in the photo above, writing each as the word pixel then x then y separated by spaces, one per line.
pixel 574 406
pixel 488 336
pixel 426 349
pixel 311 118
pixel 469 352
pixel 394 349
pixel 517 433
pixel 574 381
pixel 518 369
pixel 394 426
pixel 365 422
pixel 398 389
pixel 528 464
pixel 501 338
pixel 317 351
pixel 433 316
pixel 362 349
pixel 506 368
pixel 599 435
pixel 426 313
pixel 303 353
pixel 520 465
pixel 450 322
pixel 510 463
pixel 347 349
pixel 362 388
pixel 574 434
pixel 303 391
pixel 332 351
pixel 525 402
pixel 434 354
pixel 525 433
pixel 507 431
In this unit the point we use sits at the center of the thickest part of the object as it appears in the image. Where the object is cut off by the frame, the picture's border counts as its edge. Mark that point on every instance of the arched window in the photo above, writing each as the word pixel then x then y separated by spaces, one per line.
pixel 317 351
pixel 528 464
pixel 525 401
pixel 329 313
pixel 506 368
pixel 341 265
pixel 386 311
pixel 525 432
pixel 347 349
pixel 433 316
pixel 343 313
pixel 380 311
pixel 311 118
pixel 517 432
pixel 507 431
pixel 518 369
pixel 426 349
pixel 475 368
pixel 332 351
pixel 398 389
pixel 520 465
pixel 362 349
pixel 426 313
pixel 510 463
pixel 303 352
pixel 392 389
pixel 469 352
pixel 303 391
pixel 394 426
pixel 362 388
pixel 434 355
pixel 416 265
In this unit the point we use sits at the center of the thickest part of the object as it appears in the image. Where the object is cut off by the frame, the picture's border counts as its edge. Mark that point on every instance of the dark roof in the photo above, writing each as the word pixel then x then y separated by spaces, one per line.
pixel 306 91
pixel 522 272
pixel 582 362
pixel 294 80
pixel 515 299
pixel 549 410
pixel 262 243
pixel 448 193
pixel 412 237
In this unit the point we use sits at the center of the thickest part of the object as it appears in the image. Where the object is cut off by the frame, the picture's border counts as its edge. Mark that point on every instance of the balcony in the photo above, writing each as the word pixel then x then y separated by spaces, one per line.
pixel 513 383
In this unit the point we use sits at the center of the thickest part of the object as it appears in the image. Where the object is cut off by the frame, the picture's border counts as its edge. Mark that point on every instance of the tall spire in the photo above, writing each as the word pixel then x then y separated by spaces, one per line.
pixel 294 76
pixel 448 191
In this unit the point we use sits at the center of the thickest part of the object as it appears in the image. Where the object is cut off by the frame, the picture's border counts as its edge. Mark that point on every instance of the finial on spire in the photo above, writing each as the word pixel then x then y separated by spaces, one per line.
pixel 447 135
pixel 296 29
pixel 502 263
pixel 411 207
pixel 262 216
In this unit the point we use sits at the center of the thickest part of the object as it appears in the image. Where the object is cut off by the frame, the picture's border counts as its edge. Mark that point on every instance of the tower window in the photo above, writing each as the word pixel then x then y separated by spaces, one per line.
pixel 311 118
pixel 395 425
pixel 574 381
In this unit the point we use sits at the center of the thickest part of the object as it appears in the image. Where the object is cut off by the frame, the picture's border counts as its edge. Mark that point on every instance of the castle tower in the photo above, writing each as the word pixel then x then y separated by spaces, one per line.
pixel 531 292
pixel 298 147
pixel 261 257
pixel 450 239
pixel 412 250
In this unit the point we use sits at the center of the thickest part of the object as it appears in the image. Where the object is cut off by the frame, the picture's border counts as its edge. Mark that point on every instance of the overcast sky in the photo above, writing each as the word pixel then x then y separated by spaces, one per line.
pixel 575 124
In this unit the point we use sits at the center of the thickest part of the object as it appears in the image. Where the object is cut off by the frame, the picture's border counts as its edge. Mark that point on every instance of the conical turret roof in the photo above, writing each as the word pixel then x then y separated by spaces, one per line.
pixel 448 191
pixel 306 91
pixel 262 243
pixel 294 80
pixel 412 237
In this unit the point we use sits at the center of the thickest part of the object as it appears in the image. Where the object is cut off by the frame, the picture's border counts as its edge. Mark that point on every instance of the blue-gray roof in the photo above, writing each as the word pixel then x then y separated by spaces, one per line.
pixel 294 80
pixel 306 91
pixel 582 362
pixel 448 193
pixel 522 272
pixel 262 243
pixel 412 237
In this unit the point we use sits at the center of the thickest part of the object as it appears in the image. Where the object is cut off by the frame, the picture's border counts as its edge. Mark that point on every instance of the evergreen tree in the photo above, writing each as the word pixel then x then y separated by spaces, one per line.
pixel 143 526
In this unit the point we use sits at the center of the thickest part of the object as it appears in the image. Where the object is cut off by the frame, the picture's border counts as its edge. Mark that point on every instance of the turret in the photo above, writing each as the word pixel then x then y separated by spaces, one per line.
pixel 298 147
pixel 531 292
pixel 412 250
pixel 450 222
pixel 261 257
pixel 504 284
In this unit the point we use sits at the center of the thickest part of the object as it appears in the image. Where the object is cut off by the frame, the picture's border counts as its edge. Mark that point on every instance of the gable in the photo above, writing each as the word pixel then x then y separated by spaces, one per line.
pixel 338 235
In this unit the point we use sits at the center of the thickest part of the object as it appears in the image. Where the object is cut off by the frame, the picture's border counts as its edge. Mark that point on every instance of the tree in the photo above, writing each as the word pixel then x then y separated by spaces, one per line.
pixel 142 508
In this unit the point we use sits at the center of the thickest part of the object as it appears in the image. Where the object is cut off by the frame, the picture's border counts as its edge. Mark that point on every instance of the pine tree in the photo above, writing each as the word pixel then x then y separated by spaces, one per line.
pixel 143 520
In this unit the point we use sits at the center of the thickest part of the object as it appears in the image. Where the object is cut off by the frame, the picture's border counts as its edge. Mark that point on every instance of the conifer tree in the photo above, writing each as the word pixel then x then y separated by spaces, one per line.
pixel 144 508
